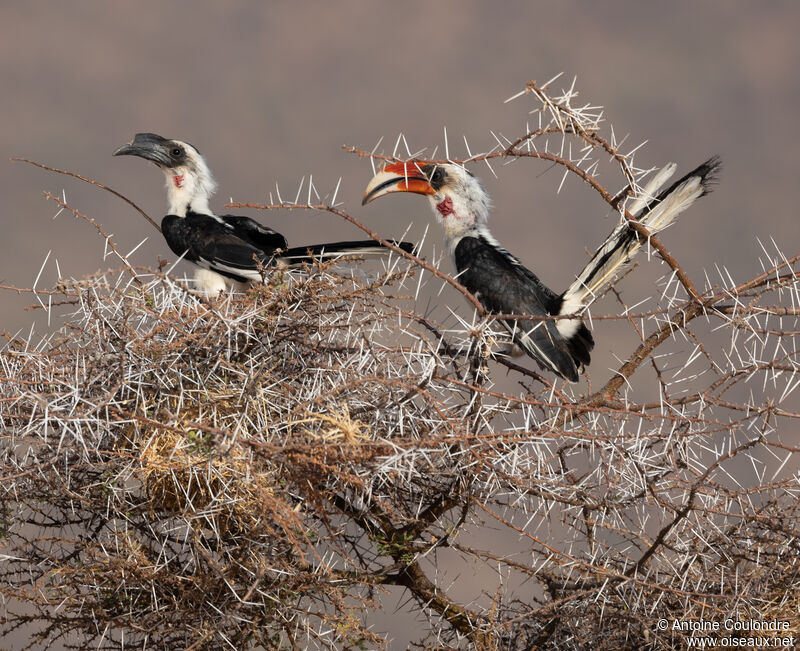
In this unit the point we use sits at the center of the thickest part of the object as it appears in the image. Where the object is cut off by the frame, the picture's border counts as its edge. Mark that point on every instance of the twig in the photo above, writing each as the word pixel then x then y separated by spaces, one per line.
pixel 92 182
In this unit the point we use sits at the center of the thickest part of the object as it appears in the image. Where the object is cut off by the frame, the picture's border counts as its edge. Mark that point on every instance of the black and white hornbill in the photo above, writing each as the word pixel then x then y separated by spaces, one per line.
pixel 230 249
pixel 499 280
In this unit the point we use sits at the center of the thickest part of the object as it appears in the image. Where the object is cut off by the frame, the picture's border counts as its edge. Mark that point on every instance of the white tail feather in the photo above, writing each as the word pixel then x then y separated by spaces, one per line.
pixel 651 190
pixel 621 245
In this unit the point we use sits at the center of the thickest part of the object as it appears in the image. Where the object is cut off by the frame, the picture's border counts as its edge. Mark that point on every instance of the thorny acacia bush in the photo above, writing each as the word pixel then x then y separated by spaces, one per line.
pixel 263 469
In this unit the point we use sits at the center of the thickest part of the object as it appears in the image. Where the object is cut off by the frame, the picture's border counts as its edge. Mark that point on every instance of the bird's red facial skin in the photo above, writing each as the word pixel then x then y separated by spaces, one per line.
pixel 445 208
pixel 177 179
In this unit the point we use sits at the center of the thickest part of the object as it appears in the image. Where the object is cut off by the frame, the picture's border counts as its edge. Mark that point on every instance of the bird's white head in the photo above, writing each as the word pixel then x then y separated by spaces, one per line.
pixel 189 181
pixel 457 197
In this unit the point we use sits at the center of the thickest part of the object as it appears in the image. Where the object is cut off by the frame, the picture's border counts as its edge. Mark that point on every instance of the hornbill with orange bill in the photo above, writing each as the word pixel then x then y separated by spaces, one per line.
pixel 500 281
pixel 230 249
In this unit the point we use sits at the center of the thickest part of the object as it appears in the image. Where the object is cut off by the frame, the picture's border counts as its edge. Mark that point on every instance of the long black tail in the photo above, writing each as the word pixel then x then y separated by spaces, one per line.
pixel 300 255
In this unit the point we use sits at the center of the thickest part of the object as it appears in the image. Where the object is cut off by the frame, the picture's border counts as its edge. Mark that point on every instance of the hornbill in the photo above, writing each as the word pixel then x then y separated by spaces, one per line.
pixel 500 281
pixel 229 249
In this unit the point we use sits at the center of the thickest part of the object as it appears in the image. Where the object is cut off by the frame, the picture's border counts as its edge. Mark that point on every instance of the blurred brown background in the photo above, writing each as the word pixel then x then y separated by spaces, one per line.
pixel 270 91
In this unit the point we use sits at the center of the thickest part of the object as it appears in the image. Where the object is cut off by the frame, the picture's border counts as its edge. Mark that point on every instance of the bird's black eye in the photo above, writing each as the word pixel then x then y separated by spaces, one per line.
pixel 437 178
pixel 177 152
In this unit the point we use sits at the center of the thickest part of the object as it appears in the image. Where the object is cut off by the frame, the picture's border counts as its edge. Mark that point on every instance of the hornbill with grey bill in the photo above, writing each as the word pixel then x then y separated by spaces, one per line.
pixel 230 249
pixel 500 281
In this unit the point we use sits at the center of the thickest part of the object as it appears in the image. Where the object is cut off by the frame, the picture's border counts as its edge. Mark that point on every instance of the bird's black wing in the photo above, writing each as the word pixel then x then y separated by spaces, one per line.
pixel 504 286
pixel 216 245
pixel 260 236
